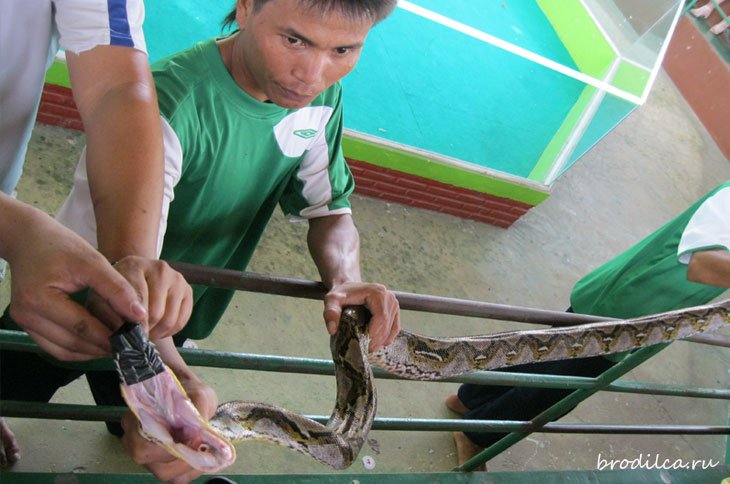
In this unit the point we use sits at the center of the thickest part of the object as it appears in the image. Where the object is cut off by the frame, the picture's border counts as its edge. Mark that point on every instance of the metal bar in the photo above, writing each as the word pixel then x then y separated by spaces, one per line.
pixel 727 446
pixel 20 341
pixel 719 10
pixel 307 289
pixel 711 339
pixel 566 404
pixel 689 6
pixel 65 411
pixel 287 286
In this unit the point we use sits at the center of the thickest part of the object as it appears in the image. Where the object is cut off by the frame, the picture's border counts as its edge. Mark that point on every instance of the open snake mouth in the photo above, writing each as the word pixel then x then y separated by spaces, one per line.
pixel 165 413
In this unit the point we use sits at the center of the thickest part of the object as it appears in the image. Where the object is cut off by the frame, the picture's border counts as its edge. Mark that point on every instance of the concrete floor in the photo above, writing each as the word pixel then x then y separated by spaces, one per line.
pixel 650 168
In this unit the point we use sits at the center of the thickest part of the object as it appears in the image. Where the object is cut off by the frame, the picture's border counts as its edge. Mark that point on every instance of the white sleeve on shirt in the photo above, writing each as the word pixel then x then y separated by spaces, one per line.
pixel 708 228
pixel 77 212
pixel 84 24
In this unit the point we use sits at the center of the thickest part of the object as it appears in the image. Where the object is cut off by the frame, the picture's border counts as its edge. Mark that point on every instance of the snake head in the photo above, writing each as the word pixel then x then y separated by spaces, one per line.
pixel 166 415
pixel 359 316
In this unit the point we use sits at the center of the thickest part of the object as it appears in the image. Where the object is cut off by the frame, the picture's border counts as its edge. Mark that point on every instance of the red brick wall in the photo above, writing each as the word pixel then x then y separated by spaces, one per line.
pixel 703 77
pixel 57 108
pixel 421 192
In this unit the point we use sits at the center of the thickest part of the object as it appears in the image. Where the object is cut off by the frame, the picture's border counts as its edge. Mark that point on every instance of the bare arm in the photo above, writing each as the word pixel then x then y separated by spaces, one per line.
pixel 711 267
pixel 334 244
pixel 115 94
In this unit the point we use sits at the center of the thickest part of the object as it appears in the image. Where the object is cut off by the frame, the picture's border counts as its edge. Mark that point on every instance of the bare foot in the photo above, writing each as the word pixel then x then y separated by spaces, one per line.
pixel 9 450
pixel 456 405
pixel 719 28
pixel 466 449
pixel 703 11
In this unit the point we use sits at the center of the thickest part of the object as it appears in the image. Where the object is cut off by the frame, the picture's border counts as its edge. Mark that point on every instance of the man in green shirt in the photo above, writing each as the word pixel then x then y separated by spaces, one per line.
pixel 683 264
pixel 252 121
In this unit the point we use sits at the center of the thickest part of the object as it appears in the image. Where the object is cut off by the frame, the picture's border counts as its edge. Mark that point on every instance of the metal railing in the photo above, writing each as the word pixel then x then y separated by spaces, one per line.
pixel 583 387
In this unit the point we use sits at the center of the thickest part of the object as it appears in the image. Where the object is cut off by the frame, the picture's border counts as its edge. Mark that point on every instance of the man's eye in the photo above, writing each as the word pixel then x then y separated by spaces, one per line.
pixel 293 41
pixel 342 50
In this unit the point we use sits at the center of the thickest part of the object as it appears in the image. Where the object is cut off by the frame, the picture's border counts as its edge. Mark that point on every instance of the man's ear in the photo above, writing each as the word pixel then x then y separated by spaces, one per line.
pixel 243 10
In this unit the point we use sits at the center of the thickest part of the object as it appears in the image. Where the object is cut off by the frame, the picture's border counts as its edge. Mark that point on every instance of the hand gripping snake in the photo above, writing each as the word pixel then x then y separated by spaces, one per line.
pixel 168 418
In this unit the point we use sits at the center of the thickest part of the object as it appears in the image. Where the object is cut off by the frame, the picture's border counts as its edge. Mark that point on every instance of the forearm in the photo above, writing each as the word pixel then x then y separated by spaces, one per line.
pixel 16 221
pixel 335 247
pixel 334 244
pixel 115 93
pixel 125 169
pixel 711 267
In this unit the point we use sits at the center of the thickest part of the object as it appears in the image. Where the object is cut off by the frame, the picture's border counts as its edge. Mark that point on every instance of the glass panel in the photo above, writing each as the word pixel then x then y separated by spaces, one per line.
pixel 476 103
pixel 610 112
pixel 638 31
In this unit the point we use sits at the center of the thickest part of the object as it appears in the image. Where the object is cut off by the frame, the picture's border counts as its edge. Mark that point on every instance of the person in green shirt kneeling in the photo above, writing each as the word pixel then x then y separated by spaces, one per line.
pixel 683 264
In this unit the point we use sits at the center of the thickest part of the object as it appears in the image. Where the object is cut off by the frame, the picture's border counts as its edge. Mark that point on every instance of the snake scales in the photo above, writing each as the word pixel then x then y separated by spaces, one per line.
pixel 416 357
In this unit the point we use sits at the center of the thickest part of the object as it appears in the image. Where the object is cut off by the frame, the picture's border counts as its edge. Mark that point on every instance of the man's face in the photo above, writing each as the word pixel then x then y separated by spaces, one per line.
pixel 291 54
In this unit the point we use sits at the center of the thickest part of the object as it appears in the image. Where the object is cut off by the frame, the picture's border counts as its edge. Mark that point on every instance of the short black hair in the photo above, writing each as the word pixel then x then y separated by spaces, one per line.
pixel 376 10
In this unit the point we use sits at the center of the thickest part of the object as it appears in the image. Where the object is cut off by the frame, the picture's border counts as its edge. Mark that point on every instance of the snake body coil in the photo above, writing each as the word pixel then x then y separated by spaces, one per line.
pixel 423 358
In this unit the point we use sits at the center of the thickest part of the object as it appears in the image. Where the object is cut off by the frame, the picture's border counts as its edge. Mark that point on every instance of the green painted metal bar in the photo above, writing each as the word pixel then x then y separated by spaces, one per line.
pixel 564 405
pixel 99 413
pixel 727 446
pixel 713 474
pixel 314 290
pixel 720 11
pixel 689 6
pixel 19 341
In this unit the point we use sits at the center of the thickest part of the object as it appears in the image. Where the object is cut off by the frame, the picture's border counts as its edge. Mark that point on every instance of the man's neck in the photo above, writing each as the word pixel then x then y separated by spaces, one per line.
pixel 232 56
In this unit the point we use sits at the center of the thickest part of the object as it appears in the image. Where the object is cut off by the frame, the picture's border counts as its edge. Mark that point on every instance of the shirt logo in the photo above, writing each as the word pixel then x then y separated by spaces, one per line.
pixel 305 133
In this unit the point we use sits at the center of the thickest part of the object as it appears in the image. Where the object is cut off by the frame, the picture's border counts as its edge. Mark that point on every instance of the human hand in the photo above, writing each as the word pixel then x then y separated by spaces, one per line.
pixel 9 448
pixel 382 304
pixel 48 264
pixel 156 459
pixel 164 291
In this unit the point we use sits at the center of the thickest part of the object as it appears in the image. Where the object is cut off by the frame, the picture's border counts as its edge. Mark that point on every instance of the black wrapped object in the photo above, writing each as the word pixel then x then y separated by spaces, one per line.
pixel 136 357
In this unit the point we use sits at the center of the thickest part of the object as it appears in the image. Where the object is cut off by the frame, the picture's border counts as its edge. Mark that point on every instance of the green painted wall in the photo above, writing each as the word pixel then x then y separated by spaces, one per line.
pixel 410 163
pixel 580 35
pixel 58 74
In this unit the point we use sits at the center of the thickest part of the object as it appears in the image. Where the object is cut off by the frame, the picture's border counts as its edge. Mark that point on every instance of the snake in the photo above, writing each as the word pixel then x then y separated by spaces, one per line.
pixel 168 418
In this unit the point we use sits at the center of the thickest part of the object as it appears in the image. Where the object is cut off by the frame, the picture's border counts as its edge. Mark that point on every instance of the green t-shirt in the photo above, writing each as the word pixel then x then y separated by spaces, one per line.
pixel 240 158
pixel 649 277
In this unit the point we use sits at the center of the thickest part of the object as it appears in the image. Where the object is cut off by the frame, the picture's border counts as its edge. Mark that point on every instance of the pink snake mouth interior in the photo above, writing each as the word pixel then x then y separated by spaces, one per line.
pixel 165 413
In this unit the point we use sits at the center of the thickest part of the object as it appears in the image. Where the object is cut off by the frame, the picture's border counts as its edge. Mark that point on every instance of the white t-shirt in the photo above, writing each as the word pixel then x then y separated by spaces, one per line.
pixel 31 32
pixel 709 227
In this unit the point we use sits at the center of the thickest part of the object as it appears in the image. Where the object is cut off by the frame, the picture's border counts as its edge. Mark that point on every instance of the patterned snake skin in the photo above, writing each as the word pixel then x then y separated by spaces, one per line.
pixel 422 358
